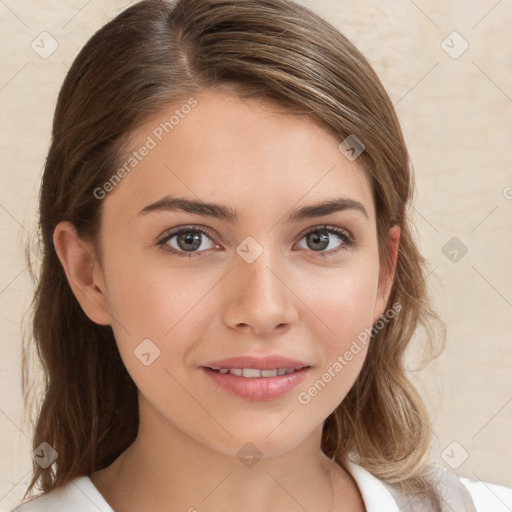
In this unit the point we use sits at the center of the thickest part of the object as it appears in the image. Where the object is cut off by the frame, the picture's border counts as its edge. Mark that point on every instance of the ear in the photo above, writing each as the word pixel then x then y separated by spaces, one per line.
pixel 83 272
pixel 386 276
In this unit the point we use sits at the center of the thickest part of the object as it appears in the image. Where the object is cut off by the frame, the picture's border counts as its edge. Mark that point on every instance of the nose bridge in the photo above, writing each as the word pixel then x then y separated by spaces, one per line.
pixel 258 277
pixel 261 300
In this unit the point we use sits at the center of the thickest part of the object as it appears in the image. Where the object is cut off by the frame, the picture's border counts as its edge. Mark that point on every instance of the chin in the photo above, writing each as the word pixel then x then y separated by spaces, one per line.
pixel 263 442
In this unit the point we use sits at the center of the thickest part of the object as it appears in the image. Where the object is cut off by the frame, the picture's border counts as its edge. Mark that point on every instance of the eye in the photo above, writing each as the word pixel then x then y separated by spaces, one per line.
pixel 318 240
pixel 188 241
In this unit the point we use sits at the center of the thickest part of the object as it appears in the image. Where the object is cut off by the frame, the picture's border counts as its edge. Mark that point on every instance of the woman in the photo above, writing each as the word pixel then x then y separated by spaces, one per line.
pixel 229 279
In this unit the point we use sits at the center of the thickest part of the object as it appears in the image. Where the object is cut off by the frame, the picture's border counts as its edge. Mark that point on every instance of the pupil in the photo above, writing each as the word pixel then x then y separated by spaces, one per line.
pixel 189 238
pixel 323 240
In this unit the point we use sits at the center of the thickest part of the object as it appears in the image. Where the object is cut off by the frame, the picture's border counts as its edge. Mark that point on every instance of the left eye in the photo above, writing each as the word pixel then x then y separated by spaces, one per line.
pixel 318 238
pixel 189 240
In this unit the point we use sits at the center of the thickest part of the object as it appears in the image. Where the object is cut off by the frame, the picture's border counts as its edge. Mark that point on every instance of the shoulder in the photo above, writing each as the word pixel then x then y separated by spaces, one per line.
pixel 478 496
pixel 460 493
pixel 78 495
pixel 487 496
pixel 456 493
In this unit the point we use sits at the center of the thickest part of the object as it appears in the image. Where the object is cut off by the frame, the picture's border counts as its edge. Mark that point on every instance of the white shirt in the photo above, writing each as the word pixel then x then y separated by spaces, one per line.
pixel 81 495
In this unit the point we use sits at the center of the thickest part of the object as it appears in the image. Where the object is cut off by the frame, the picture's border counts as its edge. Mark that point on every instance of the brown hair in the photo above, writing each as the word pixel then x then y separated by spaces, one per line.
pixel 150 56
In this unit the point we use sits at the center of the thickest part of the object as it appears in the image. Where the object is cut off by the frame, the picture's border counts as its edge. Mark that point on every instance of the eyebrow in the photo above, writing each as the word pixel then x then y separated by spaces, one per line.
pixel 170 203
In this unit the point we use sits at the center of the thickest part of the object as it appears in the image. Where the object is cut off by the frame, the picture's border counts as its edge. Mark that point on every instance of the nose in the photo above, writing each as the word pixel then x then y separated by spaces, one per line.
pixel 261 300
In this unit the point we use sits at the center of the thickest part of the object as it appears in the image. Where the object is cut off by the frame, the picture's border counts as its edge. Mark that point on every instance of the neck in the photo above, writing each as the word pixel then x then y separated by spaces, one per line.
pixel 166 466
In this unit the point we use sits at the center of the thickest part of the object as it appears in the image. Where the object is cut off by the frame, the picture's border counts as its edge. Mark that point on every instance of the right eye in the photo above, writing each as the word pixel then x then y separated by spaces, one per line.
pixel 188 241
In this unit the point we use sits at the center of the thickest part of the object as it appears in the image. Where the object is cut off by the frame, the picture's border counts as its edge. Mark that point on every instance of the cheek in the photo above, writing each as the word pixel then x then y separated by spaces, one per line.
pixel 159 314
pixel 343 301
pixel 343 306
pixel 156 317
pixel 152 301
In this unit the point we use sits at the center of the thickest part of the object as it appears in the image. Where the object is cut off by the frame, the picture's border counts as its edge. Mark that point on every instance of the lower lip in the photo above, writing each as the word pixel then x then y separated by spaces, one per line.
pixel 257 388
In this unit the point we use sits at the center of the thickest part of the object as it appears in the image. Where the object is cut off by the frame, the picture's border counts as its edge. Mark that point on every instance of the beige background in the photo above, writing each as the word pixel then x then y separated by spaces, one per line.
pixel 457 117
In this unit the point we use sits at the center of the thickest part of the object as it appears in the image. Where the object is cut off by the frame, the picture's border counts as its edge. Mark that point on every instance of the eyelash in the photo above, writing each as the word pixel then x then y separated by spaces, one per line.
pixel 348 240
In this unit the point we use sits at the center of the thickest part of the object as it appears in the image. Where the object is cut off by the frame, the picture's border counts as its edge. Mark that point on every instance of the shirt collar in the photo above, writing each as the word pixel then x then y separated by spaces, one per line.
pixel 375 495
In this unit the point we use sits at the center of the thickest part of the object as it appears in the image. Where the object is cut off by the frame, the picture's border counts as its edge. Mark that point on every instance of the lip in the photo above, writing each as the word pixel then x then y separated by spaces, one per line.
pixel 257 388
pixel 271 362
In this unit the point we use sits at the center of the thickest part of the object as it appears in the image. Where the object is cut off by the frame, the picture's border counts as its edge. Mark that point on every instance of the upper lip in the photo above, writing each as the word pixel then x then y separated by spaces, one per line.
pixel 260 363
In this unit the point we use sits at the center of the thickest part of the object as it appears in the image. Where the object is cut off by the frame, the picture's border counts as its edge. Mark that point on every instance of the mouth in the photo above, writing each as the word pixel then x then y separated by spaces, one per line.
pixel 256 384
pixel 251 373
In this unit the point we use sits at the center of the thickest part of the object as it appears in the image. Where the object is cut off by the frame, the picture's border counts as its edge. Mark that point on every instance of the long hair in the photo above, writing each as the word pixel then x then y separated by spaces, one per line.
pixel 150 56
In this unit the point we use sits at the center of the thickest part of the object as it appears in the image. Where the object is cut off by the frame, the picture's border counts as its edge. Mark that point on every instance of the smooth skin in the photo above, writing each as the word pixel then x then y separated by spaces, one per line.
pixel 263 162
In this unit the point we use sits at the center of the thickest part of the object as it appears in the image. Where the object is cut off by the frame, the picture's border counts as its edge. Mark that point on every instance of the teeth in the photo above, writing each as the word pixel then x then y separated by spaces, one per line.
pixel 253 372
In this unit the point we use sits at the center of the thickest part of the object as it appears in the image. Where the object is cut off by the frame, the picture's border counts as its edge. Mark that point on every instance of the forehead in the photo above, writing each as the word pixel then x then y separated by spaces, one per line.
pixel 247 153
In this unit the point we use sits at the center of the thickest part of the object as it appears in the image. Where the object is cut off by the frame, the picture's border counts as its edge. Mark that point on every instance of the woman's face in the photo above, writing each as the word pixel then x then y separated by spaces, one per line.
pixel 252 283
